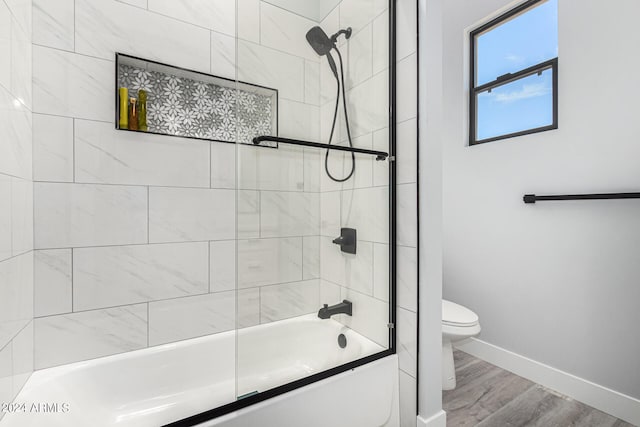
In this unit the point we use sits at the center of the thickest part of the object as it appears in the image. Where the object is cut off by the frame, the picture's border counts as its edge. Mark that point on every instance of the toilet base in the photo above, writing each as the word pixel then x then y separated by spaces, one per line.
pixel 448 367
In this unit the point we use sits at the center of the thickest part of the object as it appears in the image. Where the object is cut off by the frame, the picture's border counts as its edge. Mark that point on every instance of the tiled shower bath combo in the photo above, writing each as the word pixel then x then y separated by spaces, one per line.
pixel 190 240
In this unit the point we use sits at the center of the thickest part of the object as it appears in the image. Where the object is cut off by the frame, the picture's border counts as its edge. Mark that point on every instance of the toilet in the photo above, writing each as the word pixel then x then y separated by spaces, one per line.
pixel 458 323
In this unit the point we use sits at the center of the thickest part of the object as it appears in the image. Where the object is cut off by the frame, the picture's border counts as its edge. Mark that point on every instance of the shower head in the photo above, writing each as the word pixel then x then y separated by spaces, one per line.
pixel 322 44
pixel 319 41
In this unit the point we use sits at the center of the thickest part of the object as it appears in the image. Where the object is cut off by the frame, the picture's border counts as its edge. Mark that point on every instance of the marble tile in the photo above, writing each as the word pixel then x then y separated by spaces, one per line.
pixel 407 277
pixel 369 105
pixel 310 257
pixel 330 214
pixel 5 217
pixel 249 20
pixel 190 317
pixel 74 337
pixel 22 11
pixel 406 330
pixel 16 136
pixel 53 282
pixel 408 410
pixel 222 264
pixel 21 216
pixel 137 3
pixel 367 210
pixel 66 84
pixel 407 152
pixel 248 307
pixel 270 169
pixel 358 13
pixel 71 215
pixel 5 46
pixel 285 31
pixel 223 165
pixel 124 275
pixel 217 15
pixel 407 75
pixel 287 300
pixel 223 55
pixel 299 121
pixel 312 169
pixel 188 214
pixel 359 57
pixel 23 354
pixel 21 62
pixel 16 288
pixel 381 168
pixel 248 214
pixel 407 211
pixel 52 148
pixel 106 27
pixel 406 27
pixel 329 293
pixel 269 261
pixel 286 214
pixel 381 271
pixel 380 42
pixel 311 82
pixel 6 374
pixel 269 67
pixel 370 316
pixel 105 155
pixel 348 270
pixel 53 23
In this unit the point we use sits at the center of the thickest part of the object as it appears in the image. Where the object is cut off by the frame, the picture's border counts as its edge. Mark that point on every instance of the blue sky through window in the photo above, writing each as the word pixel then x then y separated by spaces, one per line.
pixel 525 40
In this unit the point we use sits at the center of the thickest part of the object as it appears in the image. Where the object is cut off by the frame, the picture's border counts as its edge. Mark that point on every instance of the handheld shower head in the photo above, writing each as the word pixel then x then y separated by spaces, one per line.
pixel 322 44
pixel 319 41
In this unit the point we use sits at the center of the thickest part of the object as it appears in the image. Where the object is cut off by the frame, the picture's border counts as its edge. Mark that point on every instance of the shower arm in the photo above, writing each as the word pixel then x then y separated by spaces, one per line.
pixel 380 155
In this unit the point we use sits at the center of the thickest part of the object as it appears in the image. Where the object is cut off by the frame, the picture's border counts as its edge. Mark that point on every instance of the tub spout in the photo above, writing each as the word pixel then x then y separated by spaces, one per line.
pixel 344 307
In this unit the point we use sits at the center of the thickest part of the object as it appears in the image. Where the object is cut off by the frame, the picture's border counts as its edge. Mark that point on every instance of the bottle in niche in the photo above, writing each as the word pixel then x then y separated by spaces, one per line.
pixel 123 122
pixel 142 110
pixel 133 114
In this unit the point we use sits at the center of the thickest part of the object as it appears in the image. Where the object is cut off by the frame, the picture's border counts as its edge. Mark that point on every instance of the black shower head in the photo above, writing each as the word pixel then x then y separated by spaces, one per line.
pixel 319 41
pixel 322 44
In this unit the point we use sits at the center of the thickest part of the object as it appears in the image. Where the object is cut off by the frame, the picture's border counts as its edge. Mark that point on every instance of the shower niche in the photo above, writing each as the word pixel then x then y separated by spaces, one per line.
pixel 157 98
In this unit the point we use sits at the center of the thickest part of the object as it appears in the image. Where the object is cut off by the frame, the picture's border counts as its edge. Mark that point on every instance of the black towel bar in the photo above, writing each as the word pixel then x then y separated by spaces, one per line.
pixel 532 198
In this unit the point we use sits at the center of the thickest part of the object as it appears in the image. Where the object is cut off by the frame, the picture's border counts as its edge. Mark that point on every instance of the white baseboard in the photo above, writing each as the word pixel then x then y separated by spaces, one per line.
pixel 606 400
pixel 437 420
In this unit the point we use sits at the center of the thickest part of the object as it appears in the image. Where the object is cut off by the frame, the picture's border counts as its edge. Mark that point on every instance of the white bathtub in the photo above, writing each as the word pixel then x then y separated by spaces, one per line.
pixel 154 386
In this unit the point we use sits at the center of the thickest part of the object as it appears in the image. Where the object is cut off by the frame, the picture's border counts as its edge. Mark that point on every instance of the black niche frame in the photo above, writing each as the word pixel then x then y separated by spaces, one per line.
pixel 277 391
pixel 474 90
pixel 232 82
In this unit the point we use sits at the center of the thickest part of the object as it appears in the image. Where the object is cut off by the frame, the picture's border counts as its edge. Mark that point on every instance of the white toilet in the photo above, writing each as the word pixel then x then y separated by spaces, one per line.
pixel 458 323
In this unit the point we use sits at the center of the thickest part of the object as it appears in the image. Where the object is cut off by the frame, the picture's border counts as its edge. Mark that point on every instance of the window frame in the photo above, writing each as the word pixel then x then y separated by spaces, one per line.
pixel 474 91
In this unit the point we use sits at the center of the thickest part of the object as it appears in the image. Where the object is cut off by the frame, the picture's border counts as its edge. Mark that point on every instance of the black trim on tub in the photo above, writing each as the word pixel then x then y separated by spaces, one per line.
pixel 277 391
pixel 268 394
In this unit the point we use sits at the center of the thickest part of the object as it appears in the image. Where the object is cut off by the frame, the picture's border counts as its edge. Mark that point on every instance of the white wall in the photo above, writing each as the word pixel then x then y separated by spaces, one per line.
pixel 16 199
pixel 555 282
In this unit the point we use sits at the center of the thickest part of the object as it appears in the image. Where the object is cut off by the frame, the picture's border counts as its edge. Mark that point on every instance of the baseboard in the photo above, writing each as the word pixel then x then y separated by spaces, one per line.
pixel 606 400
pixel 437 420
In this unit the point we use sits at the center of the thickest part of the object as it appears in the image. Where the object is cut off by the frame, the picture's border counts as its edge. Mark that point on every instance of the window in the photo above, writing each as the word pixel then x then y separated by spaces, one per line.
pixel 514 73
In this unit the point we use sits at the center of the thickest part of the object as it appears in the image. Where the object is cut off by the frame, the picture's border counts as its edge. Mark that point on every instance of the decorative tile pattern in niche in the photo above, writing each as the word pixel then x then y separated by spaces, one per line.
pixel 190 104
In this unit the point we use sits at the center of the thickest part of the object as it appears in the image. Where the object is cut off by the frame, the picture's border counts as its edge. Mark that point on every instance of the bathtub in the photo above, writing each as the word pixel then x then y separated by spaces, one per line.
pixel 158 385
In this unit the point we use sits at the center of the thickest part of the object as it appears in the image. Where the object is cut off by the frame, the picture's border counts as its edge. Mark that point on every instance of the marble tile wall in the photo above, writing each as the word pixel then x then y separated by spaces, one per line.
pixel 16 199
pixel 147 239
pixel 362 202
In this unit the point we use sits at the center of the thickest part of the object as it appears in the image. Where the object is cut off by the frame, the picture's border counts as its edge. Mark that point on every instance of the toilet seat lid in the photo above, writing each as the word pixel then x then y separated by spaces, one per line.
pixel 456 315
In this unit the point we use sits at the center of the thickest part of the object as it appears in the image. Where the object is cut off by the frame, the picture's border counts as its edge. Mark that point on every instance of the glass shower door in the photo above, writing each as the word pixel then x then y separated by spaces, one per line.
pixel 313 229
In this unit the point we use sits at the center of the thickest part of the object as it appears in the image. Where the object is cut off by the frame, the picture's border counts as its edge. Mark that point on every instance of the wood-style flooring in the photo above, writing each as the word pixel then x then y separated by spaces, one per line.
pixel 488 396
